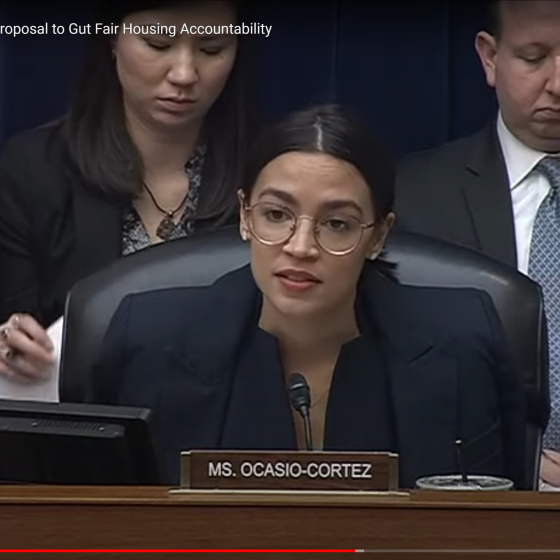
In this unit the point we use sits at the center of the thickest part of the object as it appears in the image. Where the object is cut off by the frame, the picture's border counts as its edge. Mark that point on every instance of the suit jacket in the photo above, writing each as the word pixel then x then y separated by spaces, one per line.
pixel 460 193
pixel 176 352
pixel 54 229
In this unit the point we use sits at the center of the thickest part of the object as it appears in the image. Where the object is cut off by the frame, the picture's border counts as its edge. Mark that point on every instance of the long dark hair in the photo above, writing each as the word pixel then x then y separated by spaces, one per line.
pixel 100 150
pixel 331 130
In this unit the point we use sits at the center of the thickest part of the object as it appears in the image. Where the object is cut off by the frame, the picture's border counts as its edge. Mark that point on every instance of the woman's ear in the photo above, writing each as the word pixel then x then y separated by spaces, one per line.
pixel 381 232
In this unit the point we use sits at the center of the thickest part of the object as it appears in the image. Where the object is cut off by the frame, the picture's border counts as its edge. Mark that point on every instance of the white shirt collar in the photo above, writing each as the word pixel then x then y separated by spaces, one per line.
pixel 520 159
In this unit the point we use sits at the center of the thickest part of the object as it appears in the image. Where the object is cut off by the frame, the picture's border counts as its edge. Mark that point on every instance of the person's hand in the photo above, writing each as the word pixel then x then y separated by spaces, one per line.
pixel 26 351
pixel 550 467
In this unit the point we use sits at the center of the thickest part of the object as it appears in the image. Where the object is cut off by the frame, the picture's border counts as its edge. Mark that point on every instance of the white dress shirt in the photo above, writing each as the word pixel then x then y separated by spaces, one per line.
pixel 528 189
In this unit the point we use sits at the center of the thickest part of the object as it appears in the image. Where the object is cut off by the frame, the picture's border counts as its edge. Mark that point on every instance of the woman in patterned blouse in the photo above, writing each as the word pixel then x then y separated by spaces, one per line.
pixel 150 151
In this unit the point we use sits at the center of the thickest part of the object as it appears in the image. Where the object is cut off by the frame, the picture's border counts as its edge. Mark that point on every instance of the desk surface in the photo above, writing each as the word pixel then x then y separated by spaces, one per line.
pixel 93 518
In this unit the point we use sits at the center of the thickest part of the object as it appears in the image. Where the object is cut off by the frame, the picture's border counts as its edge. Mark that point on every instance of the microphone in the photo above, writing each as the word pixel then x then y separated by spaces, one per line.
pixel 300 399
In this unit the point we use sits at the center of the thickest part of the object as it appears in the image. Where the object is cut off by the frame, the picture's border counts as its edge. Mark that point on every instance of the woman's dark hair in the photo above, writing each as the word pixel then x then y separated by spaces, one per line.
pixel 329 129
pixel 100 150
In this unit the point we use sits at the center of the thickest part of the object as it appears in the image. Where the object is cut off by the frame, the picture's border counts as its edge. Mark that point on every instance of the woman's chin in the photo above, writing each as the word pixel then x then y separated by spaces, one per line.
pixel 293 307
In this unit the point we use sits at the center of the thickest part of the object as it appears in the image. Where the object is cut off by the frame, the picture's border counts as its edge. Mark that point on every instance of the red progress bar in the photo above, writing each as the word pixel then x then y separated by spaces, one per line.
pixel 147 551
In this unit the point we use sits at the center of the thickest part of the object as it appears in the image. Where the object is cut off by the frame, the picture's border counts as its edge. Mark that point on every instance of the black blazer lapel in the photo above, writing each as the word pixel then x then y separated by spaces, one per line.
pixel 487 195
pixel 96 230
pixel 421 375
pixel 98 223
pixel 204 356
pixel 425 400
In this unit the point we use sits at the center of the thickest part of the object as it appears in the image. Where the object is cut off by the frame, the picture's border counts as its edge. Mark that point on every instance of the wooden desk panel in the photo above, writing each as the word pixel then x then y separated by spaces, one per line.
pixel 149 518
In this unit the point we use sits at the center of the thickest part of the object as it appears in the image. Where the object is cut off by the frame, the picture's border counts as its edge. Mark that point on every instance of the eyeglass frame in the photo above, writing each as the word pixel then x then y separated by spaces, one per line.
pixel 363 226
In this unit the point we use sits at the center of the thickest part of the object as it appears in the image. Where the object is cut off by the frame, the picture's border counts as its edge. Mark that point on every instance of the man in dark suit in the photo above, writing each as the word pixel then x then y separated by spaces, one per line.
pixel 497 191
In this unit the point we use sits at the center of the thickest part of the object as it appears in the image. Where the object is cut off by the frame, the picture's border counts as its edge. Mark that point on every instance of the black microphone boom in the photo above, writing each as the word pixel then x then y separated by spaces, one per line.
pixel 300 399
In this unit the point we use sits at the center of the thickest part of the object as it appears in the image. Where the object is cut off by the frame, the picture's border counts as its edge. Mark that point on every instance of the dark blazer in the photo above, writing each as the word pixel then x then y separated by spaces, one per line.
pixel 460 192
pixel 53 230
pixel 175 351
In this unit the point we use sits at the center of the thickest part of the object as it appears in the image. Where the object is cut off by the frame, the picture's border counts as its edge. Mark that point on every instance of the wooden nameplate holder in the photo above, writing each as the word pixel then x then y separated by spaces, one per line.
pixel 288 471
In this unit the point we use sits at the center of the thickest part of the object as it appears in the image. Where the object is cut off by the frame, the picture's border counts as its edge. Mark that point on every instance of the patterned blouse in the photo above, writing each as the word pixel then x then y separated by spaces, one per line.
pixel 135 236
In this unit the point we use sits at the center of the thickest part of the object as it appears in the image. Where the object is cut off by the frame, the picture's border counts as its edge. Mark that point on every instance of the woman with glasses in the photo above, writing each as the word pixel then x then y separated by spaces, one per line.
pixel 389 368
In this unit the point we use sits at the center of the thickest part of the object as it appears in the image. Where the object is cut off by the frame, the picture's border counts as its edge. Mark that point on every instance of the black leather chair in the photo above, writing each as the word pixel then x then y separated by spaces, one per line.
pixel 192 261
pixel 420 260
pixel 425 261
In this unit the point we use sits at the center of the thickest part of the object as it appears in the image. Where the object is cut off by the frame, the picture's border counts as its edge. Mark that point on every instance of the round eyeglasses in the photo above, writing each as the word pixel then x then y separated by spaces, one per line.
pixel 337 234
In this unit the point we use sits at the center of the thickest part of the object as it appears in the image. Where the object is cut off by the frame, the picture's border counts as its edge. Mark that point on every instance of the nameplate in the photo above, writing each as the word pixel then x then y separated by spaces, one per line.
pixel 288 470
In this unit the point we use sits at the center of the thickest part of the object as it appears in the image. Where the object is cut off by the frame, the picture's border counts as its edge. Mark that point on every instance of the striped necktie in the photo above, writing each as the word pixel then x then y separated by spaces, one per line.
pixel 544 268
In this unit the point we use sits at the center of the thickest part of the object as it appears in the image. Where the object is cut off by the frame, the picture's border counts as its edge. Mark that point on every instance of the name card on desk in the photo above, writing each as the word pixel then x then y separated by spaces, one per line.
pixel 288 470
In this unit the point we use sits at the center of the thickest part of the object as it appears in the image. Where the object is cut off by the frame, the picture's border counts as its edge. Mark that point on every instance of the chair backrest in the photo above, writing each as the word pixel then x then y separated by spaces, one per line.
pixel 426 261
pixel 199 260
pixel 192 261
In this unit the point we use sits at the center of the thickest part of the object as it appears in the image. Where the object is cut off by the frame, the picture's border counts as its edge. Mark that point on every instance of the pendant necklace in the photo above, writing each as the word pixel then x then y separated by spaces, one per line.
pixel 167 226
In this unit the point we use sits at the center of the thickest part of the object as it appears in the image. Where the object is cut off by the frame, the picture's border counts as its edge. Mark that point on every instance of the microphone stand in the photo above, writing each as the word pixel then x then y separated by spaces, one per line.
pixel 304 411
pixel 300 399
